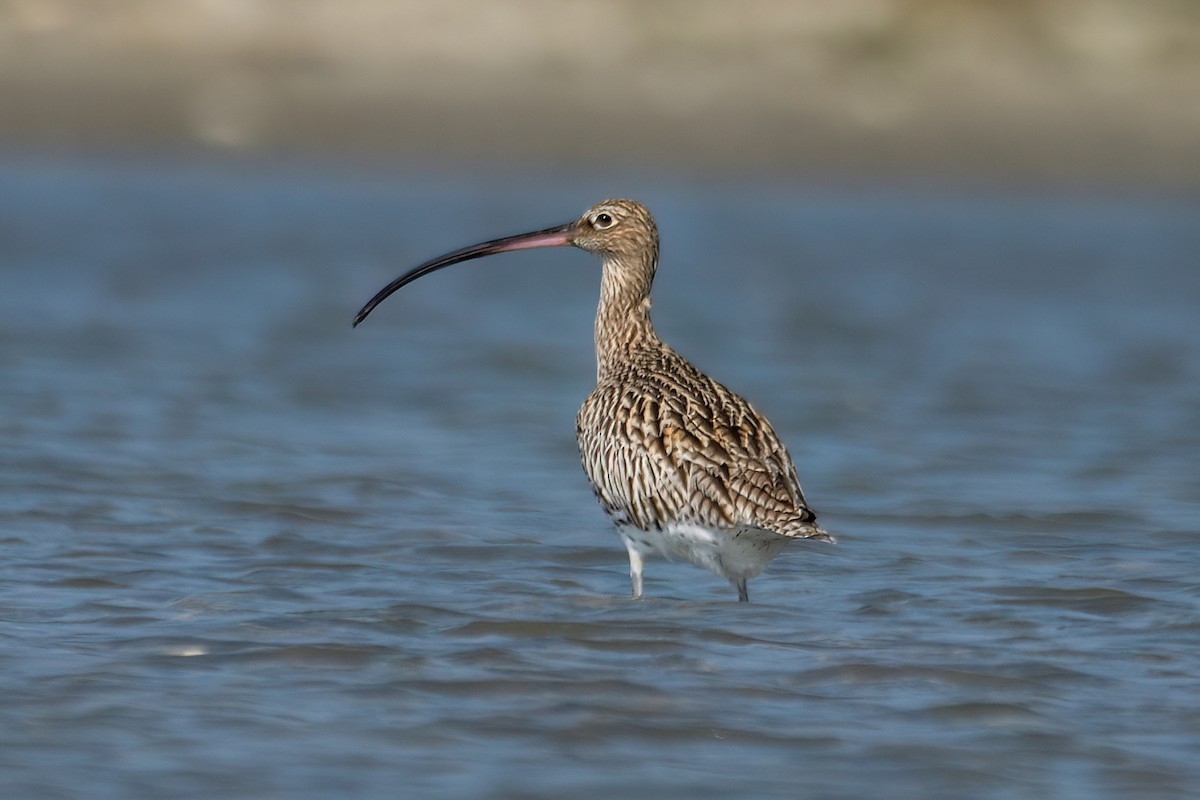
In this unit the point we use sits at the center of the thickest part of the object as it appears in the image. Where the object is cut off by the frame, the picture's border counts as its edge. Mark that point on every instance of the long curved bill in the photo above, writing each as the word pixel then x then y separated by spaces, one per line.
pixel 558 236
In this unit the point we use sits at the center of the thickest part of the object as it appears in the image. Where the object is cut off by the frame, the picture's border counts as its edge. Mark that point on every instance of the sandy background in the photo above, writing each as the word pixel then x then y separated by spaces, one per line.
pixel 1058 92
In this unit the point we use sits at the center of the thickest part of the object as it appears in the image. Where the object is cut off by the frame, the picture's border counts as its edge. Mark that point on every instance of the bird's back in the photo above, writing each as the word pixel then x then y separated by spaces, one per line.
pixel 664 444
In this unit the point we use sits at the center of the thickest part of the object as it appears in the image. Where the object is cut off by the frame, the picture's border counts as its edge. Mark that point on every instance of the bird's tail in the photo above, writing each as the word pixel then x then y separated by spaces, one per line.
pixel 815 532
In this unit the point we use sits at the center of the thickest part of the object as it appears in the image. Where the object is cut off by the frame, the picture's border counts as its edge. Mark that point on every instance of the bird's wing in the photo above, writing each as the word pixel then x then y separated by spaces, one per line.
pixel 684 448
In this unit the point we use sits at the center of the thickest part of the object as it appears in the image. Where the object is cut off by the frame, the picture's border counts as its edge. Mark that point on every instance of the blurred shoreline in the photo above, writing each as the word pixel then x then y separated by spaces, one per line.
pixel 1044 92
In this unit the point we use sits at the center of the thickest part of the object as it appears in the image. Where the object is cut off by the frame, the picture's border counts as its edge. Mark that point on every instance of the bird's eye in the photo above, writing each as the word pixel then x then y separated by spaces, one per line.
pixel 603 220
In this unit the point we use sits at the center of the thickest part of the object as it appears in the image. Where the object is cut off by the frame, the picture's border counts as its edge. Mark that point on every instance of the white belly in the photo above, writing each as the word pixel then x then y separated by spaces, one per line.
pixel 734 554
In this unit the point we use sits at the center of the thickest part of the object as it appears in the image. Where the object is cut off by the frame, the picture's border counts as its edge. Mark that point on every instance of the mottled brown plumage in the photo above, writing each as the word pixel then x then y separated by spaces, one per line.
pixel 686 468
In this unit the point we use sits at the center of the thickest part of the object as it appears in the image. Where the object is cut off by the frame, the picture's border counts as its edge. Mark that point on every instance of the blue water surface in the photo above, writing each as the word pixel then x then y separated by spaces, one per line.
pixel 247 551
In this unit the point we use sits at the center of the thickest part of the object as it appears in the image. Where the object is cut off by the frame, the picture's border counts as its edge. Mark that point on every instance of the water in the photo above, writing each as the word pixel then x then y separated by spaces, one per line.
pixel 246 551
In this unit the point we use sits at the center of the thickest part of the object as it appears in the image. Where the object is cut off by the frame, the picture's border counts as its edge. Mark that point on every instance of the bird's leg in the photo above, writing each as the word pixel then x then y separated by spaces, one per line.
pixel 743 593
pixel 635 568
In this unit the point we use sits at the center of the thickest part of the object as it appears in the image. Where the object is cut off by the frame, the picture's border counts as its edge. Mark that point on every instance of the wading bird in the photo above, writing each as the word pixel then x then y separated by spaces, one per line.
pixel 685 468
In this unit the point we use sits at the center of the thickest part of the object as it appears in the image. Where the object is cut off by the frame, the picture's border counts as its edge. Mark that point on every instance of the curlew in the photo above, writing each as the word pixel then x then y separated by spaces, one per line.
pixel 686 468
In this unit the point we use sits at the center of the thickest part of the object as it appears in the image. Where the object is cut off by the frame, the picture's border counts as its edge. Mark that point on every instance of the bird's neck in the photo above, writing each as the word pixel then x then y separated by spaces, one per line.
pixel 623 316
